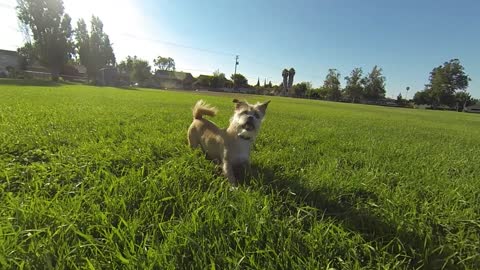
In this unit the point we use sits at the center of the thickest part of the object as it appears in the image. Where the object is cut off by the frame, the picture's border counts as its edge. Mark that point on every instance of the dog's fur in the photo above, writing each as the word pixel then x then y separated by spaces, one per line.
pixel 230 146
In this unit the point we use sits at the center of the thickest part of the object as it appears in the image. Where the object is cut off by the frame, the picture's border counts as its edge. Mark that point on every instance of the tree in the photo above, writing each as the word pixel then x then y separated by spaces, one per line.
pixel 51 30
pixel 164 63
pixel 26 55
pixel 218 79
pixel 445 80
pixel 462 100
pixel 82 39
pixel 285 81
pixel 138 70
pixel 95 50
pixel 400 100
pixel 374 84
pixel 331 85
pixel 239 80
pixel 291 75
pixel 354 87
pixel 421 97
pixel 301 89
pixel 258 82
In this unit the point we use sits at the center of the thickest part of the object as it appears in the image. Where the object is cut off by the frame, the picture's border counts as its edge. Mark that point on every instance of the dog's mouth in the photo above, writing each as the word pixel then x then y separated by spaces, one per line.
pixel 248 126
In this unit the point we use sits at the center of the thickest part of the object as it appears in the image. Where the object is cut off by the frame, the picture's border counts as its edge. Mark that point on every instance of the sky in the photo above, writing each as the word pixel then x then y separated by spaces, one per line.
pixel 407 38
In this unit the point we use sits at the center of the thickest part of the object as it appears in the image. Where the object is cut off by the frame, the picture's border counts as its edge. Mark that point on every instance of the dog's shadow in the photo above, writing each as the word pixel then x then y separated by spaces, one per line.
pixel 342 208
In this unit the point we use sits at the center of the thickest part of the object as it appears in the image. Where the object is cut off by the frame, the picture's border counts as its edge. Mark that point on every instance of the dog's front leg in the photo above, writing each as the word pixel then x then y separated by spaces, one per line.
pixel 229 173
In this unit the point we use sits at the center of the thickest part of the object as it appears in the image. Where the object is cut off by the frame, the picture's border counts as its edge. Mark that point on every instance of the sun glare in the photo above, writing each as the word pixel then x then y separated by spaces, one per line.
pixel 118 16
pixel 123 21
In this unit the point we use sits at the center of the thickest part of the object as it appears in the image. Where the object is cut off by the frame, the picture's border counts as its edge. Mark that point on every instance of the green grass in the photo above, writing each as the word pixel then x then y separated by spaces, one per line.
pixel 102 178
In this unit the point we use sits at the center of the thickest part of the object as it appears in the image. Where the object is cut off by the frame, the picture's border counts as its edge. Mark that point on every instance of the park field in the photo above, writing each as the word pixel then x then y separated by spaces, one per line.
pixel 102 178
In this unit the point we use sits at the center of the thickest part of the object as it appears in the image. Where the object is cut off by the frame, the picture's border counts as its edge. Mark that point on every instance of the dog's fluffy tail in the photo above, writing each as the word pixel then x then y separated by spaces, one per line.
pixel 201 108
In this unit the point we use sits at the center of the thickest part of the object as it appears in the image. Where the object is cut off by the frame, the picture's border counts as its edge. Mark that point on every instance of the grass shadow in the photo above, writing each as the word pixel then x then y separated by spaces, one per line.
pixel 21 82
pixel 364 221
pixel 130 88
pixel 33 82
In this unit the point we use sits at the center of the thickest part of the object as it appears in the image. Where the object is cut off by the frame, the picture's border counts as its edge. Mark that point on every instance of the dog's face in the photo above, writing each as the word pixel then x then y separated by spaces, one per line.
pixel 247 118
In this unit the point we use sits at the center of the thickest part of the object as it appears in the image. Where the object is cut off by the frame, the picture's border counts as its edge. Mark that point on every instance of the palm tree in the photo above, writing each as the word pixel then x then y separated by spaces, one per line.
pixel 285 79
pixel 291 74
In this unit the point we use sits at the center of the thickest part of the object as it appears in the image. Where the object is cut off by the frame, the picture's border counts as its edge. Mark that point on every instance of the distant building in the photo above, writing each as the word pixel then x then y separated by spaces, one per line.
pixel 475 108
pixel 203 81
pixel 8 59
pixel 173 79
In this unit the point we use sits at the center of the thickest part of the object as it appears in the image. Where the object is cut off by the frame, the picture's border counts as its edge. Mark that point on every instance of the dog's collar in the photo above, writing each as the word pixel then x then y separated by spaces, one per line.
pixel 245 138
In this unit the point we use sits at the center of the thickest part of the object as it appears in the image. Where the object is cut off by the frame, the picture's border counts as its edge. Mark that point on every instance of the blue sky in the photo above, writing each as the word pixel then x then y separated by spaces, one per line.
pixel 406 38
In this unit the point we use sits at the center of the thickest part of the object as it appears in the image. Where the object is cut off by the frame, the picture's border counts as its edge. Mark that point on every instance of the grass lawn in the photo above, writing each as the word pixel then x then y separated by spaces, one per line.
pixel 102 178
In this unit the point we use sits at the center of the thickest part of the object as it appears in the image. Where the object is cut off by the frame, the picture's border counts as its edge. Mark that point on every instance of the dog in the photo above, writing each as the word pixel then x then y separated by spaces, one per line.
pixel 230 146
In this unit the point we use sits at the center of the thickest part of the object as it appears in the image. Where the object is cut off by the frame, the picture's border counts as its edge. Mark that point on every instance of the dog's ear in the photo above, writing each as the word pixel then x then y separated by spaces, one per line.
pixel 263 107
pixel 239 104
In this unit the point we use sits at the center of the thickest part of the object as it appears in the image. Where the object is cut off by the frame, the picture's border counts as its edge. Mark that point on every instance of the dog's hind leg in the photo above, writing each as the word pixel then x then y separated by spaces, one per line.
pixel 193 140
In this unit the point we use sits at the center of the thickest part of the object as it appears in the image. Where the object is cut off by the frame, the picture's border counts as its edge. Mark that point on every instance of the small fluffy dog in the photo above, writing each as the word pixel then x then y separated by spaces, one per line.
pixel 230 146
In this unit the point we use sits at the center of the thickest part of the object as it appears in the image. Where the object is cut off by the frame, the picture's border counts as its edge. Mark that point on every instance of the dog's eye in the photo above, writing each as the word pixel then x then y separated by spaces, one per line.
pixel 244 112
pixel 256 115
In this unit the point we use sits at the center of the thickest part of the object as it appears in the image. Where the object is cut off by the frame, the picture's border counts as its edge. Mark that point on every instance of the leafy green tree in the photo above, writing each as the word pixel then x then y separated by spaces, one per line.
pixel 285 81
pixel 164 63
pixel 239 80
pixel 291 76
pixel 138 70
pixel 422 97
pixel 312 93
pixel 141 71
pixel 26 55
pixel 374 82
pixel 51 30
pixel 258 83
pixel 445 80
pixel 82 43
pixel 218 79
pixel 95 50
pixel 331 85
pixel 301 89
pixel 354 88
pixel 400 100
pixel 462 100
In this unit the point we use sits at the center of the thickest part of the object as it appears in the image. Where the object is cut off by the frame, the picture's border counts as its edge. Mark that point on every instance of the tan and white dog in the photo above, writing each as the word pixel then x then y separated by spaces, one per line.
pixel 230 146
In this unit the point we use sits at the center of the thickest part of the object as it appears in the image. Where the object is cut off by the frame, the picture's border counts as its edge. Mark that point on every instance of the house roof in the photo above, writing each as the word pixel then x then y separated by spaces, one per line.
pixel 175 75
pixel 7 52
pixel 474 106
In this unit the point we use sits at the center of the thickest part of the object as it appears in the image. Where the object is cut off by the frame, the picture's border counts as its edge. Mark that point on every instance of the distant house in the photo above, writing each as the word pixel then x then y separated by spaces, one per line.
pixel 203 81
pixel 81 69
pixel 173 79
pixel 473 108
pixel 8 60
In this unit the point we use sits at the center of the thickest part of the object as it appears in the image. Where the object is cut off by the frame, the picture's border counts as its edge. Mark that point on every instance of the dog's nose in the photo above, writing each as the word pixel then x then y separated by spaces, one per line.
pixel 250 118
